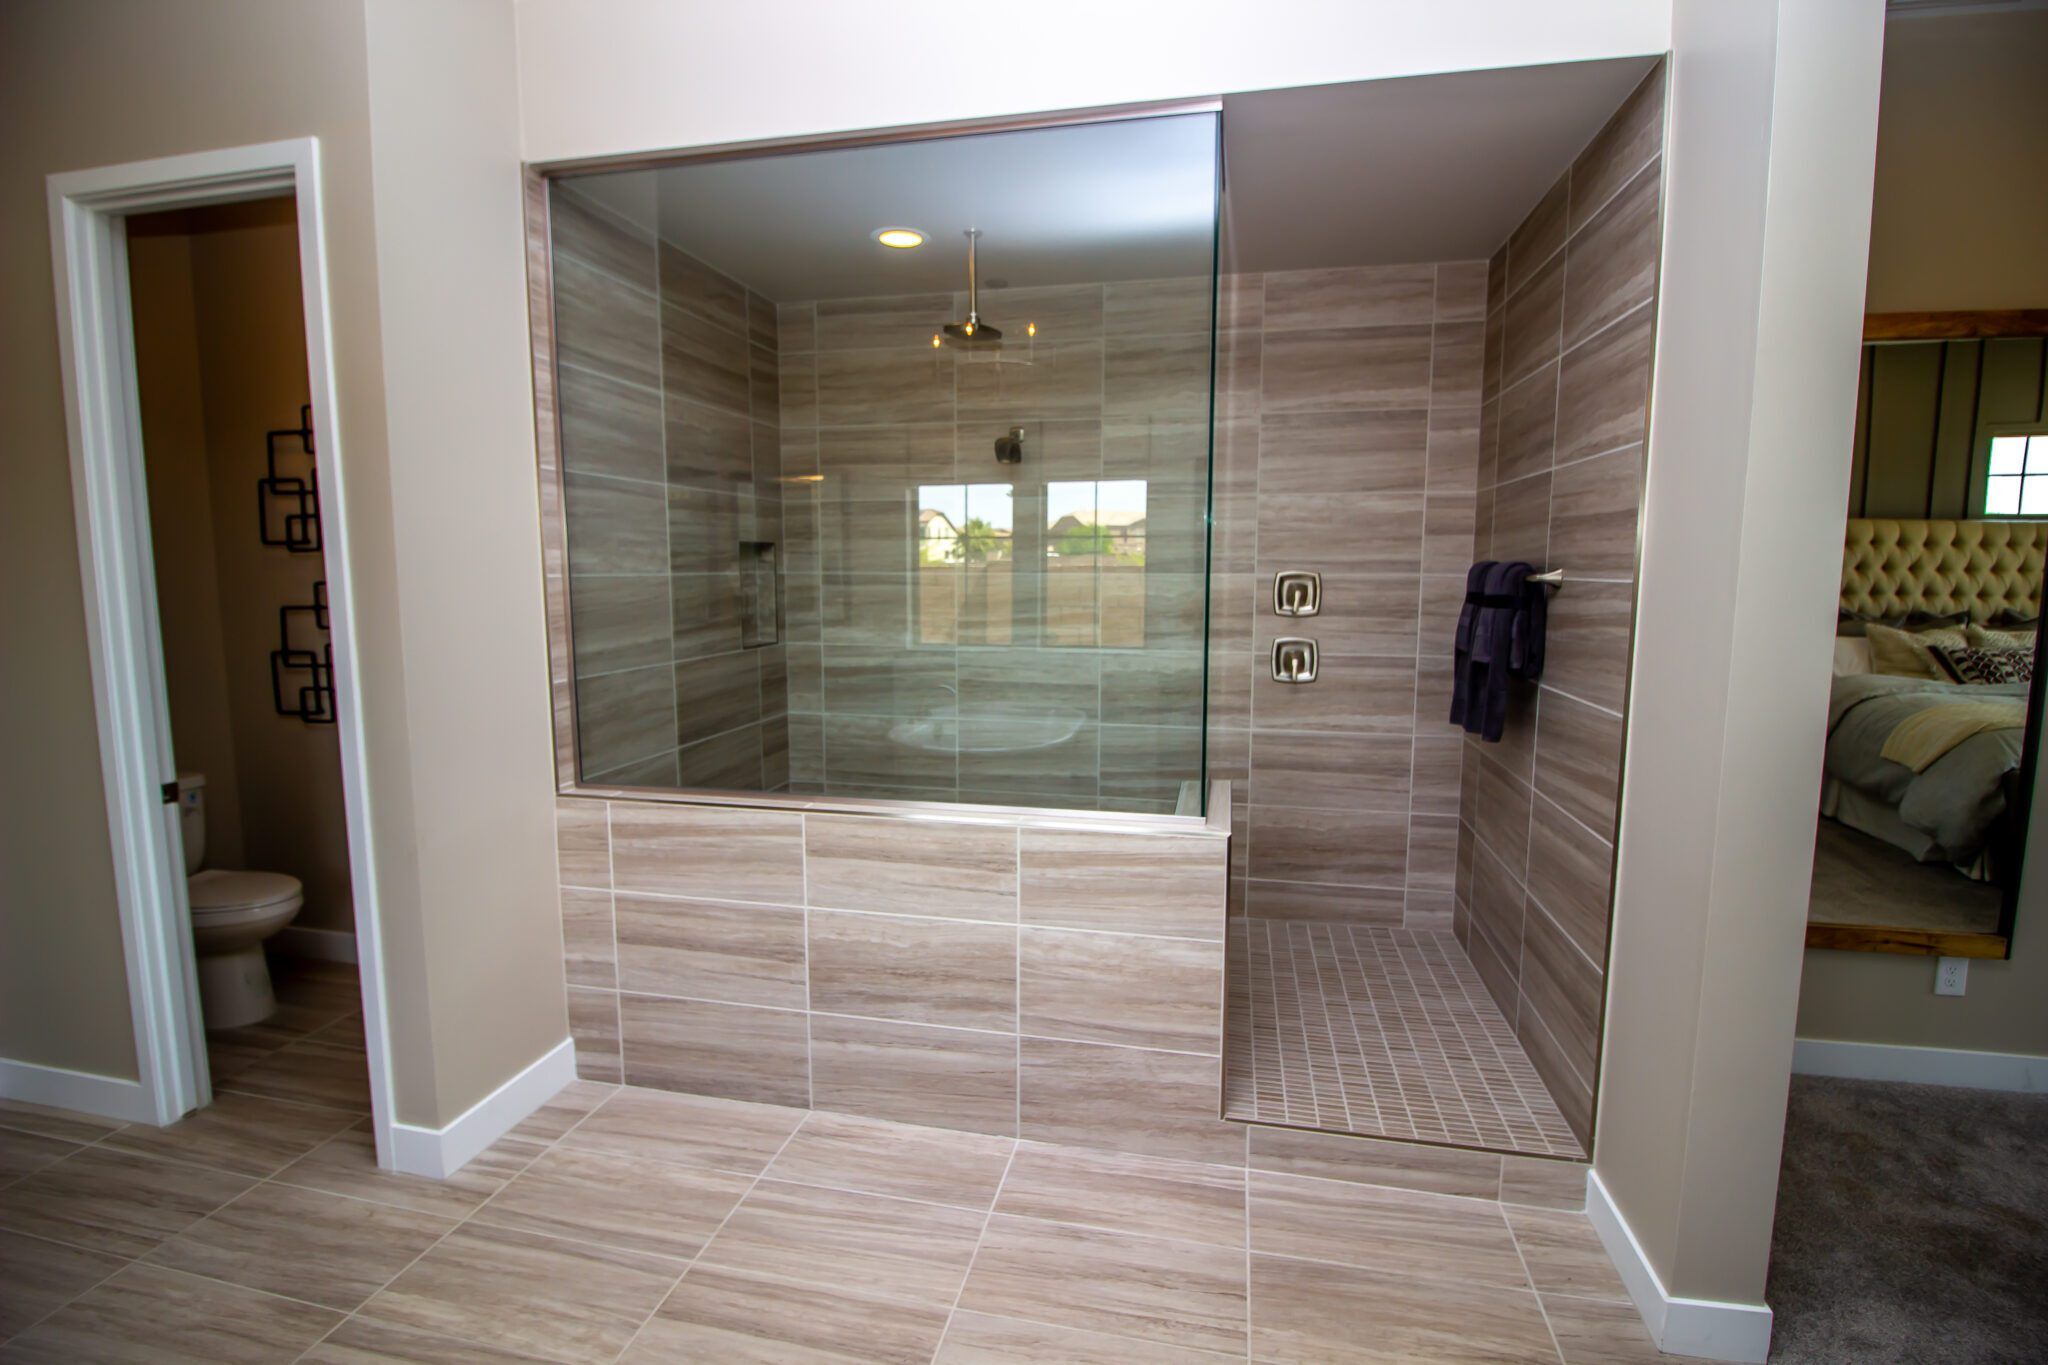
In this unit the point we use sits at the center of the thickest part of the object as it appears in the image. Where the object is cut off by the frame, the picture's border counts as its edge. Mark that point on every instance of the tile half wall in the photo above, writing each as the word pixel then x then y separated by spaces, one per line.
pixel 998 977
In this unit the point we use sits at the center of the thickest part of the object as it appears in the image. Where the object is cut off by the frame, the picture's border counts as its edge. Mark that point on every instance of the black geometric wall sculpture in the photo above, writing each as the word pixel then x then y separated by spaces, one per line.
pixel 301 667
pixel 296 498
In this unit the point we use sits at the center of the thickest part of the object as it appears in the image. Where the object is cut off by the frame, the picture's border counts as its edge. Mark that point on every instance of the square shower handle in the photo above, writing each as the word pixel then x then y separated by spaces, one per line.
pixel 1297 592
pixel 1294 659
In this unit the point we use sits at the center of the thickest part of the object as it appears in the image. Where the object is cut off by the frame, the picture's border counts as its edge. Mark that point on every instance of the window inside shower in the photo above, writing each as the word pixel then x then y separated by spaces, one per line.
pixel 844 518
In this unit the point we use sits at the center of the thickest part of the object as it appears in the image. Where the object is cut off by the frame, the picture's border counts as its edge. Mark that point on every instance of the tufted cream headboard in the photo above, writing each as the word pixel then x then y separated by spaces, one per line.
pixel 1893 568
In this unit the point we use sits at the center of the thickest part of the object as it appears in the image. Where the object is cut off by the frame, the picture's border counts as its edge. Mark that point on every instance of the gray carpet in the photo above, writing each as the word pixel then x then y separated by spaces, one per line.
pixel 1912 1225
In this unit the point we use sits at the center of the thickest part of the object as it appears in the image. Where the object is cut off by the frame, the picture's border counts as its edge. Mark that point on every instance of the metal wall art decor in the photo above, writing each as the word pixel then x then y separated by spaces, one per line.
pixel 301 668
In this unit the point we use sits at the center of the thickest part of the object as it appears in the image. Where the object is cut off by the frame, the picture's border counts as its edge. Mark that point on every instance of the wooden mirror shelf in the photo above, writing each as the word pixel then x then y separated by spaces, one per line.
pixel 1962 326
pixel 1874 938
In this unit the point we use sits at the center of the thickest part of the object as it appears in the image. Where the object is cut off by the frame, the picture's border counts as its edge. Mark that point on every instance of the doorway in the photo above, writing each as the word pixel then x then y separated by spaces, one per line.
pixel 119 234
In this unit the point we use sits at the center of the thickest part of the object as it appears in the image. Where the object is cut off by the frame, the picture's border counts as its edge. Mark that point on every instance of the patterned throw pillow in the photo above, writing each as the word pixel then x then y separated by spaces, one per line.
pixel 2002 637
pixel 1969 664
pixel 1910 654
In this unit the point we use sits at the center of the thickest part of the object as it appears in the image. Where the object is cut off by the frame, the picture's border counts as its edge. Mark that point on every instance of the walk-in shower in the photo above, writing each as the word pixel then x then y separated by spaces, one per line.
pixel 885 468
pixel 933 482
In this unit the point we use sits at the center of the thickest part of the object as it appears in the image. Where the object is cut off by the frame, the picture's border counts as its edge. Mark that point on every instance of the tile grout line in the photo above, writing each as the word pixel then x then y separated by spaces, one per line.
pixel 670 1292
pixel 458 1225
pixel 28 1327
pixel 980 1237
pixel 804 856
pixel 1017 1079
pixel 611 876
pixel 1542 1310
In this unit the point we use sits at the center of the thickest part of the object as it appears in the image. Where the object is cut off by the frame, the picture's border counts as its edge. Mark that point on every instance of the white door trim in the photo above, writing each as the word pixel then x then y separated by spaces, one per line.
pixel 110 501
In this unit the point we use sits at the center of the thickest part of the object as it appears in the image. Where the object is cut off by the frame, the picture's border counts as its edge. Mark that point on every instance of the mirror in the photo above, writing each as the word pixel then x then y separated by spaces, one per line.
pixel 1934 710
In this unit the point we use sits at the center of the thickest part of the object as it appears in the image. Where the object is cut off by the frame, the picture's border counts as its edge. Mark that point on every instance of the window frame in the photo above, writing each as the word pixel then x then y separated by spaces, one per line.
pixel 2037 432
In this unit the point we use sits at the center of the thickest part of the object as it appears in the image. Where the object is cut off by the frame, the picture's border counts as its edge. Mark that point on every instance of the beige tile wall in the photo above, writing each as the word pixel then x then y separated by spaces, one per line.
pixel 1571 306
pixel 1044 983
pixel 669 429
pixel 1346 443
pixel 1060 985
pixel 1116 388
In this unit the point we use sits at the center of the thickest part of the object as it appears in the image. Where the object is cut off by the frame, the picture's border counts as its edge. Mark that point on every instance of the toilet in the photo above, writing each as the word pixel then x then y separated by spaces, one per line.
pixel 232 914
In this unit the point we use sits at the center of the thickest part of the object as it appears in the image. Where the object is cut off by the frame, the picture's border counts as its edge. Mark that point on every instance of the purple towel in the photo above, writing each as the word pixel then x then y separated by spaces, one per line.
pixel 1466 677
pixel 1499 637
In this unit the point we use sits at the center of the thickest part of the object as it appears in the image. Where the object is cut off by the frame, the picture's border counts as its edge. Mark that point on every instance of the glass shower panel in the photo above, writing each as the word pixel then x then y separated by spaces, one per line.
pixel 927 524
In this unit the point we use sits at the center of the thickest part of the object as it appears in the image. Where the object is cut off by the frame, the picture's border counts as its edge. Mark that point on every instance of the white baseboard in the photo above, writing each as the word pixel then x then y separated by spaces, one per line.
pixel 441 1152
pixel 322 945
pixel 1706 1328
pixel 1920 1065
pixel 107 1097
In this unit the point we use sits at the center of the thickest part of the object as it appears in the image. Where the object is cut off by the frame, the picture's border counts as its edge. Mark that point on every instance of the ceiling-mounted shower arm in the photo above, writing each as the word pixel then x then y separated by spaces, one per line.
pixel 973 284
pixel 971 333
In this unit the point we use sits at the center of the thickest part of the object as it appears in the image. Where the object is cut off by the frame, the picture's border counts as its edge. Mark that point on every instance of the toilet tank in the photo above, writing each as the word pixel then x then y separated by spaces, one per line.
pixel 192 818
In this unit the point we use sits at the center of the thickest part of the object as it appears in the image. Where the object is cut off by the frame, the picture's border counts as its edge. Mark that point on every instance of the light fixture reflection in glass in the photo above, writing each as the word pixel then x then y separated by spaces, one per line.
pixel 901 238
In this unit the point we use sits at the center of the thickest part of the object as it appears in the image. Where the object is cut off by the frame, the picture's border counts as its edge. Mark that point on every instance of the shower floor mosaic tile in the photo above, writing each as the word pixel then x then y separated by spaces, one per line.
pixel 1385 1032
pixel 640 1225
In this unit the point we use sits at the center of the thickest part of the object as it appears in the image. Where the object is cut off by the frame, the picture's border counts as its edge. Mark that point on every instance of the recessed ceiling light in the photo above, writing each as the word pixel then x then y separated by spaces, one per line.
pixel 902 238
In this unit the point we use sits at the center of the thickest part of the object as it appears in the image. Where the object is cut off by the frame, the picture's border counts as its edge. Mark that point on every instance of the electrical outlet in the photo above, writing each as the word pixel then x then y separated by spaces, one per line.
pixel 1951 975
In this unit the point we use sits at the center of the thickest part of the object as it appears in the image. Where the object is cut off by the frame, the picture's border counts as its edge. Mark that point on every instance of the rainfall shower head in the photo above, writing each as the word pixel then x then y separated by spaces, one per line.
pixel 972 333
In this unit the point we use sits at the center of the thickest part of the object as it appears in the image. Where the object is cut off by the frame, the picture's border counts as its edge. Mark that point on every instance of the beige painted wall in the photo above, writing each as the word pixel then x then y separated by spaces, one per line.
pixel 441 508
pixel 1773 120
pixel 465 510
pixel 1962 139
pixel 181 520
pixel 273 796
pixel 655 74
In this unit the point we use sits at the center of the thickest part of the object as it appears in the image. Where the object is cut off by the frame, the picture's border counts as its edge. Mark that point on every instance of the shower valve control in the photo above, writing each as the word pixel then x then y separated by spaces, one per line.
pixel 1297 592
pixel 1294 660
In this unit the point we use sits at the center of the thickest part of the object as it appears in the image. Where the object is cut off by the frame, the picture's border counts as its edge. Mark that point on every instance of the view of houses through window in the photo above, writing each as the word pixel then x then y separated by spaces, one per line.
pixel 966 588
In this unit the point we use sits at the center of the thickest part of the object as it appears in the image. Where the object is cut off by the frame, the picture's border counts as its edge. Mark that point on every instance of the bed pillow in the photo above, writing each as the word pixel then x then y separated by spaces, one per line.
pixel 1852 656
pixel 1848 624
pixel 1968 664
pixel 1910 654
pixel 2015 636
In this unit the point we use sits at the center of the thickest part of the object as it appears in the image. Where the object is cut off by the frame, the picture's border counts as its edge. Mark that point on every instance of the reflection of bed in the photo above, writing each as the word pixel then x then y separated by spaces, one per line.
pixel 1952 810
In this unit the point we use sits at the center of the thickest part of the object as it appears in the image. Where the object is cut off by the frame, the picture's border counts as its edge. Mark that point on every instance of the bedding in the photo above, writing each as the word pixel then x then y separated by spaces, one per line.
pixel 1910 653
pixel 1972 665
pixel 1925 737
pixel 2017 636
pixel 1852 656
pixel 1956 799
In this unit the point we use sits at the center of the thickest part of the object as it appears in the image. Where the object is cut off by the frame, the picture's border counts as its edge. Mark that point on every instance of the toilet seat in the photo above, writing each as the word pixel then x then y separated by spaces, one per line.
pixel 219 895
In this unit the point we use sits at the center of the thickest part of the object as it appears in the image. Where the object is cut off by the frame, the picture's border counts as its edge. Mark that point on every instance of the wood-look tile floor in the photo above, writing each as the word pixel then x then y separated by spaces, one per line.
pixel 650 1226
pixel 627 1224
pixel 1381 1032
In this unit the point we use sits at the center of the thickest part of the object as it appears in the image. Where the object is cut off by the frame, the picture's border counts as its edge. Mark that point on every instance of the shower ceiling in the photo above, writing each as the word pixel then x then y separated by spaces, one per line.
pixel 1125 200
pixel 1372 172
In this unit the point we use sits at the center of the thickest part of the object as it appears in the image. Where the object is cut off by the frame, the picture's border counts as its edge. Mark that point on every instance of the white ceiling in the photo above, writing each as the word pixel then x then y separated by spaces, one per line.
pixel 1133 199
pixel 1429 168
